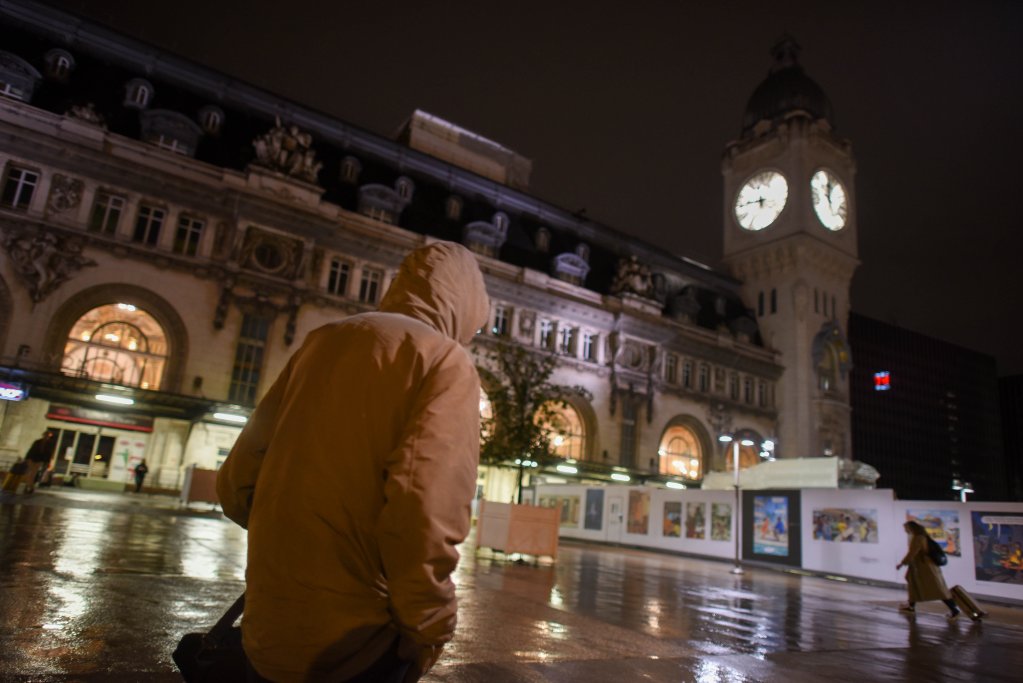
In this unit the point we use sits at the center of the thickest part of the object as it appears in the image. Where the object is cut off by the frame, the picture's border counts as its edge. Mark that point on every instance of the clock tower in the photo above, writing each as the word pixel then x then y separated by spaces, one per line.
pixel 790 237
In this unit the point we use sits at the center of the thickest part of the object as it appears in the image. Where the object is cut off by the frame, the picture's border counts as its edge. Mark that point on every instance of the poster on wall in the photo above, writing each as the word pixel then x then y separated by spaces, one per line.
pixel 770 526
pixel 594 518
pixel 941 525
pixel 639 512
pixel 569 509
pixel 673 519
pixel 696 520
pixel 128 452
pixel 998 546
pixel 720 522
pixel 845 525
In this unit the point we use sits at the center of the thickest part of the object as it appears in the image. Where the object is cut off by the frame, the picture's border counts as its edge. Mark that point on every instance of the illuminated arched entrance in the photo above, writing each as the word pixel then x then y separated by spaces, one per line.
pixel 117 343
pixel 564 429
pixel 680 453
pixel 749 456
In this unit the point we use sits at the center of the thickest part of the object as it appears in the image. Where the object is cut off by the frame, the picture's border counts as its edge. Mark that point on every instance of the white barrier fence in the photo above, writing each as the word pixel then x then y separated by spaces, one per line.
pixel 847 532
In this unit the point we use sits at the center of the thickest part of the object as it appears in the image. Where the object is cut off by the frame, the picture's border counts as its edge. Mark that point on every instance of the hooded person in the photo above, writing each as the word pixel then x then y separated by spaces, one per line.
pixel 355 476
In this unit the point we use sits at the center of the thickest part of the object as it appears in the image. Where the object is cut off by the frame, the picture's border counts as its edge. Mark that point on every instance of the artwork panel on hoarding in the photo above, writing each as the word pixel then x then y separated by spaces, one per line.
pixel 639 512
pixel 941 525
pixel 721 522
pixel 696 520
pixel 569 509
pixel 998 546
pixel 771 527
pixel 845 525
pixel 672 519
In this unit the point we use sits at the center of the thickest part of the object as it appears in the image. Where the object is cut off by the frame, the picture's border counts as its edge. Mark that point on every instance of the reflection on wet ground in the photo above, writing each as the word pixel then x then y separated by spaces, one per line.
pixel 99 587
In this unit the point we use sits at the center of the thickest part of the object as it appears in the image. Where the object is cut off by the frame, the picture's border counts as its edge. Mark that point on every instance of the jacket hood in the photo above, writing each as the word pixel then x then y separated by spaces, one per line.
pixel 441 285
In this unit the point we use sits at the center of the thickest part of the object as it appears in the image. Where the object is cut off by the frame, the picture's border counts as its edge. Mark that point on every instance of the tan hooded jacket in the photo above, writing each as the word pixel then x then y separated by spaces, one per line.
pixel 923 578
pixel 355 474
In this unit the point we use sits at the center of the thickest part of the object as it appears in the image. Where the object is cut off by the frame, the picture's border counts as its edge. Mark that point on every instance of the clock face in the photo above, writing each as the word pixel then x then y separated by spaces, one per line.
pixel 761 199
pixel 829 200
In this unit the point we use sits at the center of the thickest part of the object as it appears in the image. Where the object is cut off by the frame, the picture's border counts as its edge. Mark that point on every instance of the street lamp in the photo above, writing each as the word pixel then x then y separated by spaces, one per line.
pixel 736 442
pixel 963 487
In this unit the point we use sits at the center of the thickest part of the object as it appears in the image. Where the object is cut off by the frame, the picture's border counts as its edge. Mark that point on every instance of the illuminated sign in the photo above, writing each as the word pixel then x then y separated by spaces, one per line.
pixel 12 392
pixel 882 381
pixel 101 418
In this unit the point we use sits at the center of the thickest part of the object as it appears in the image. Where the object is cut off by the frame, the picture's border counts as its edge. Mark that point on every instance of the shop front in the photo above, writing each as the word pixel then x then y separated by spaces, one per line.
pixel 102 431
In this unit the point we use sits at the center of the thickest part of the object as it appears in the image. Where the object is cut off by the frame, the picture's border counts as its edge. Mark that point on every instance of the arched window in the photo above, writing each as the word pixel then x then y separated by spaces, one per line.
pixel 137 93
pixel 680 453
pixel 543 240
pixel 404 187
pixel 211 119
pixel 453 208
pixel 117 343
pixel 564 429
pixel 827 369
pixel 350 169
pixel 748 455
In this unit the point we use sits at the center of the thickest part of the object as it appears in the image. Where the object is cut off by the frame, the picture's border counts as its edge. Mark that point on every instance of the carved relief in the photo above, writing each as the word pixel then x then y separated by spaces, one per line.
pixel 527 322
pixel 44 261
pixel 287 151
pixel 65 193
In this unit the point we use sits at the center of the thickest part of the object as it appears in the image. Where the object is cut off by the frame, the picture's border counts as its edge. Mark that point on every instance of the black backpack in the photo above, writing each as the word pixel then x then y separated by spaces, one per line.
pixel 936 553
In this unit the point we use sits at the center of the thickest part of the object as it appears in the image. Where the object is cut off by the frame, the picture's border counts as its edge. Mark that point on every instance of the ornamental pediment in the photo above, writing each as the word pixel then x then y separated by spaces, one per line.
pixel 272 254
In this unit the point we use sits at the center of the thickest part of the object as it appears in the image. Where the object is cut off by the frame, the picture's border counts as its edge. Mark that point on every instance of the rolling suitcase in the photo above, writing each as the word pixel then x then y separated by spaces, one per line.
pixel 967 604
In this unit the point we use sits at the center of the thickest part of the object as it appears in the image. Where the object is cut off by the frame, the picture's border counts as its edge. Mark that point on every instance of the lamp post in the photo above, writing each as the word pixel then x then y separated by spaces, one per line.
pixel 732 439
pixel 963 487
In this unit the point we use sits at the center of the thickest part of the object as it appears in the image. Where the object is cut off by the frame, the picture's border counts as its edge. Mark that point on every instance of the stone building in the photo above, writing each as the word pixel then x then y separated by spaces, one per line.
pixel 170 235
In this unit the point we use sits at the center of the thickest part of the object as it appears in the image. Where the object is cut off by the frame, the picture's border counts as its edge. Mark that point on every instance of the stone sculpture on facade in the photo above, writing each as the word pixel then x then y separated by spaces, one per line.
pixel 44 261
pixel 86 112
pixel 632 277
pixel 288 151
pixel 65 193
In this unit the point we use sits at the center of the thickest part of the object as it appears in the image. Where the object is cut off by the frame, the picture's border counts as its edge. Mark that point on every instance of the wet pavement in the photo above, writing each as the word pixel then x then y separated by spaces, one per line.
pixel 100 586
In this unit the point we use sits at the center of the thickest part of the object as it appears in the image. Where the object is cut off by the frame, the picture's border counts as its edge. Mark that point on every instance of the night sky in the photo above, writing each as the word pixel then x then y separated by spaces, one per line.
pixel 626 114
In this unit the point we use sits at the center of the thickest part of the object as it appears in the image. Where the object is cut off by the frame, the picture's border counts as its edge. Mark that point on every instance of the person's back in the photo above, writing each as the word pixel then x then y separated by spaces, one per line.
pixel 366 453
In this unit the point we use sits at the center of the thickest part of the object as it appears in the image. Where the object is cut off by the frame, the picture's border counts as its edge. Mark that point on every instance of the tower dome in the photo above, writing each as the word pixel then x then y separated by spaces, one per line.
pixel 787 89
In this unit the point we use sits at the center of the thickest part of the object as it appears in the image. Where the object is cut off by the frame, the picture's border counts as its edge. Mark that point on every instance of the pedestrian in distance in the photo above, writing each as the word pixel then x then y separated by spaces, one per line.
pixel 923 577
pixel 140 475
pixel 355 476
pixel 38 458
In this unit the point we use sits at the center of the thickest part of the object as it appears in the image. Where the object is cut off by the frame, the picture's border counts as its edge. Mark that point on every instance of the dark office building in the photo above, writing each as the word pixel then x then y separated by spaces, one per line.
pixel 925 413
pixel 1010 390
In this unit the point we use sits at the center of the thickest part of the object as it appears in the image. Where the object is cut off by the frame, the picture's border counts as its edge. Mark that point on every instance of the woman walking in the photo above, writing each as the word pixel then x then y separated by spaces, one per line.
pixel 923 577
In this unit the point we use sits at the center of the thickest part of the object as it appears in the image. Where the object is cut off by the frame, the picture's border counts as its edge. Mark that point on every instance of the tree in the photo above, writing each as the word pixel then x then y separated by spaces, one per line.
pixel 523 400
